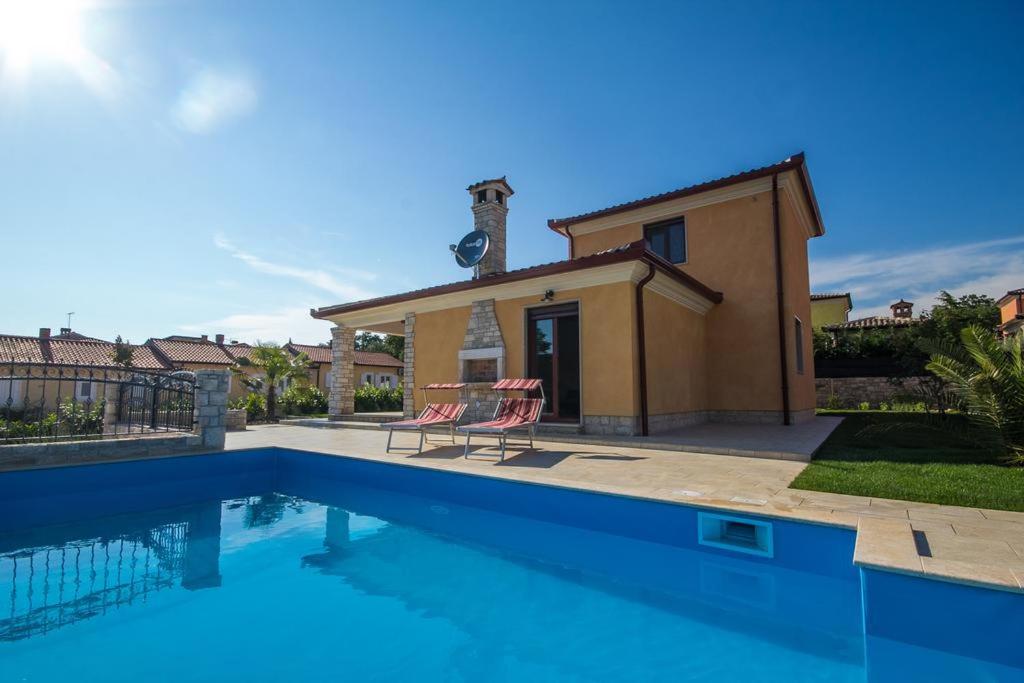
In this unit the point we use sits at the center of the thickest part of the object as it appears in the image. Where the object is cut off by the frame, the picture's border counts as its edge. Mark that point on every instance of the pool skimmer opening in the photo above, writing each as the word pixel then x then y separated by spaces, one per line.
pixel 740 534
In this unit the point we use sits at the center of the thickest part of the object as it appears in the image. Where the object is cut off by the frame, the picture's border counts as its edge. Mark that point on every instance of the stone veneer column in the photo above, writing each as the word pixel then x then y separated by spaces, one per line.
pixel 409 376
pixel 211 406
pixel 342 400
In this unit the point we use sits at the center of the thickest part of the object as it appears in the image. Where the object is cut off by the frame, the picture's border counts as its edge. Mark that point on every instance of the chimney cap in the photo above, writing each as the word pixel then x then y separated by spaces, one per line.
pixel 204 338
pixel 496 182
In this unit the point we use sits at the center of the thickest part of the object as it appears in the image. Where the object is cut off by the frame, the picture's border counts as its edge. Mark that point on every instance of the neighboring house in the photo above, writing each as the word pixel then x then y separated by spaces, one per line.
pixel 59 358
pixel 370 367
pixel 378 369
pixel 902 316
pixel 197 353
pixel 830 309
pixel 1011 312
pixel 675 309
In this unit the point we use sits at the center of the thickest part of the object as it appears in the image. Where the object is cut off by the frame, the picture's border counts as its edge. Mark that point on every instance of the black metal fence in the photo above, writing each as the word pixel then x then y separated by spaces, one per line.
pixel 51 403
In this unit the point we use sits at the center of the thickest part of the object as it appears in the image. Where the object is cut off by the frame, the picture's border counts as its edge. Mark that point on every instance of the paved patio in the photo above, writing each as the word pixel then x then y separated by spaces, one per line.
pixel 970 545
pixel 798 442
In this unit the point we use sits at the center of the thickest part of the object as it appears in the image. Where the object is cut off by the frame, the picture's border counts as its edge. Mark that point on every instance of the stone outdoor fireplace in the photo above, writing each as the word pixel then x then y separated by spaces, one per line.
pixel 482 360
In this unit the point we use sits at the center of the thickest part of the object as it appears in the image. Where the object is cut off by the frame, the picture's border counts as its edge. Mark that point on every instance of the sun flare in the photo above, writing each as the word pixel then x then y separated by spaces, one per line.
pixel 34 31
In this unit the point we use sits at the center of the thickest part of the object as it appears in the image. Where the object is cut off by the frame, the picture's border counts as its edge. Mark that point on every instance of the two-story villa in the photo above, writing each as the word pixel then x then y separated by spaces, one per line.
pixel 679 308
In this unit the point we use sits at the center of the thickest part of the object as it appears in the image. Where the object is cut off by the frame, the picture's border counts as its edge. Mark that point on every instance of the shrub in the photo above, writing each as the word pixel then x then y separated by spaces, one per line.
pixel 254 404
pixel 302 400
pixel 378 399
pixel 988 376
pixel 81 418
pixel 864 405
pixel 833 402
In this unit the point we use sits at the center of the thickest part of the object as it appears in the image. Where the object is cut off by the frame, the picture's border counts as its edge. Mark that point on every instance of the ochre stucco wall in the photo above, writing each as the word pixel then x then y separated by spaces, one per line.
pixel 607 345
pixel 676 357
pixel 1011 309
pixel 439 336
pixel 828 312
pixel 730 249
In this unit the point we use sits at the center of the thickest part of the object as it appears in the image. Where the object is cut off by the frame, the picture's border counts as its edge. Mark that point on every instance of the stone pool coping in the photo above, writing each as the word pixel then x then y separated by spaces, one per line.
pixel 961 545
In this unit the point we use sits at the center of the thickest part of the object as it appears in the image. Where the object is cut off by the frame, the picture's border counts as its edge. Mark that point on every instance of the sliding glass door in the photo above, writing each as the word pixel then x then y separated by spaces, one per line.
pixel 553 355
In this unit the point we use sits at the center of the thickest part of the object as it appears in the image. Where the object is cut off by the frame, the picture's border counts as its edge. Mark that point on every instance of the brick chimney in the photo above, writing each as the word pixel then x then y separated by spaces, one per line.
pixel 902 309
pixel 220 339
pixel 44 332
pixel 204 338
pixel 490 207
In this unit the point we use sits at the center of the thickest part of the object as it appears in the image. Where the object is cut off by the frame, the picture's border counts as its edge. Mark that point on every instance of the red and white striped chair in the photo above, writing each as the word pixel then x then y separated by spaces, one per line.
pixel 433 415
pixel 510 415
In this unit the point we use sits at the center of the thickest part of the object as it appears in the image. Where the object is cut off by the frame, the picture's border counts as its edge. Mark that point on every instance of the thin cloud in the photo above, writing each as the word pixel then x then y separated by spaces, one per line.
pixel 214 97
pixel 278 326
pixel 876 279
pixel 316 278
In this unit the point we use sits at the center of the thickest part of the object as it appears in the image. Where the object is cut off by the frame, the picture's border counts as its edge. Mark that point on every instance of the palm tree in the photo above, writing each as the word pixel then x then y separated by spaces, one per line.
pixel 277 365
pixel 988 376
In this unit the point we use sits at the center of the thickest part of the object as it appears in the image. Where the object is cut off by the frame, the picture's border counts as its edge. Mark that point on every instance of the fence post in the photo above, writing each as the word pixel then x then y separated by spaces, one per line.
pixel 211 406
pixel 111 404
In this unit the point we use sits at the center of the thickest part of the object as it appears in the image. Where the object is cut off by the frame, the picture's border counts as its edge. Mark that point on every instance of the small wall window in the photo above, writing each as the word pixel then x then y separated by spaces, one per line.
pixel 84 391
pixel 481 196
pixel 367 378
pixel 499 197
pixel 667 239
pixel 798 330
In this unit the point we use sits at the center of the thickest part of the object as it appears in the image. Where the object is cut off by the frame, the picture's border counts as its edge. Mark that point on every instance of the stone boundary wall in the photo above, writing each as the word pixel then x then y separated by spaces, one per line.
pixel 852 391
pixel 211 407
pixel 29 455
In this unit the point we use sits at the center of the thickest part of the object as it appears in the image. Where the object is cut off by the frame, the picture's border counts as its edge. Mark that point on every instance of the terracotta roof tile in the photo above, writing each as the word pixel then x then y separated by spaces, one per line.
pixel 829 295
pixel 236 351
pixel 16 349
pixel 876 321
pixel 178 351
pixel 317 353
pixel 633 250
pixel 377 358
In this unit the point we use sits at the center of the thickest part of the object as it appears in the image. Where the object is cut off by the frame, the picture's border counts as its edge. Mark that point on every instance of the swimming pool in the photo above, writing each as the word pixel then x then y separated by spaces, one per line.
pixel 284 565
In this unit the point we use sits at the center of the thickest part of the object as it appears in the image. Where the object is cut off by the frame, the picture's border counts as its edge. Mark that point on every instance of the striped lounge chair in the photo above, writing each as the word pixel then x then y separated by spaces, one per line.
pixel 433 415
pixel 511 414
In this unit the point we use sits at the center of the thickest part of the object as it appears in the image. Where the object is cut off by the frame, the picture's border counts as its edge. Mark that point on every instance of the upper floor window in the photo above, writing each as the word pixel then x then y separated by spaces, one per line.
pixel 667 239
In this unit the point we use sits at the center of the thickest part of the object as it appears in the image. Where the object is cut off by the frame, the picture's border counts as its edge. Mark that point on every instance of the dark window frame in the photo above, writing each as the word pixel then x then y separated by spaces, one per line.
pixel 798 332
pixel 665 227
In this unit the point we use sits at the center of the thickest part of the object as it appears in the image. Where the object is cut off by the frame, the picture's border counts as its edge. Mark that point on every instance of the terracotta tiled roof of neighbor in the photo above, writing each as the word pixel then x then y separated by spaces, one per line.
pixel 377 358
pixel 874 321
pixel 53 351
pixel 318 353
pixel 178 351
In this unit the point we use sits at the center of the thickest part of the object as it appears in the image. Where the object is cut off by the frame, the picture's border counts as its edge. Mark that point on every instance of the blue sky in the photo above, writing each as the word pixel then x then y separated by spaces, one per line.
pixel 187 167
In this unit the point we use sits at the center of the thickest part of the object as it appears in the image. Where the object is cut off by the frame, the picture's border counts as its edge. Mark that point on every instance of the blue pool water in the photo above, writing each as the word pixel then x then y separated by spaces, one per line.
pixel 277 565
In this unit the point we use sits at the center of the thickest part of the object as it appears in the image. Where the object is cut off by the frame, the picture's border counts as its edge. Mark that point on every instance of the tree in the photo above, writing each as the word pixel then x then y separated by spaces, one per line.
pixel 391 344
pixel 988 376
pixel 945 322
pixel 123 352
pixel 276 365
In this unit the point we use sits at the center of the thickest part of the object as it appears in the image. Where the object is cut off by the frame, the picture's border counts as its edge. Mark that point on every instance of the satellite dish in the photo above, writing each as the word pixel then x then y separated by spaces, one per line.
pixel 471 248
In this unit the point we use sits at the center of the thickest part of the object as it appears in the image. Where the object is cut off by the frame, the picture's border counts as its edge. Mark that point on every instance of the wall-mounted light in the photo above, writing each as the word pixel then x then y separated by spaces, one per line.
pixel 549 295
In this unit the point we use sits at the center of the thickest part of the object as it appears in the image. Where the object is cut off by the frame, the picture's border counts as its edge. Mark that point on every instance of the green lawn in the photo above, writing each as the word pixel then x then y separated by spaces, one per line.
pixel 908 460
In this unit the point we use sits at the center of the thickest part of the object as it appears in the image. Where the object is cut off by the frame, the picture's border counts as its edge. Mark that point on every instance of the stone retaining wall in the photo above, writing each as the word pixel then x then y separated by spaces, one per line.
pixel 849 392
pixel 236 420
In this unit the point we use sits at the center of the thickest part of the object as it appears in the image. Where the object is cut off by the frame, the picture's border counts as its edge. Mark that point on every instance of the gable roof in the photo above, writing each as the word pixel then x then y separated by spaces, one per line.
pixel 377 358
pixel 634 251
pixel 795 162
pixel 237 350
pixel 51 351
pixel 180 351
pixel 825 296
pixel 317 353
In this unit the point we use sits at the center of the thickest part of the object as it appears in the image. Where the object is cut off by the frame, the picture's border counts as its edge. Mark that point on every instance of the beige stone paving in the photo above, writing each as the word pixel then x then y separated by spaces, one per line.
pixel 983 547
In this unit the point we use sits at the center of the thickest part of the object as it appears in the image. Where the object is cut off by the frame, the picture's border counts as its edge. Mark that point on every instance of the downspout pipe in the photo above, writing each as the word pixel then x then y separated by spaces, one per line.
pixel 572 245
pixel 779 300
pixel 642 348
